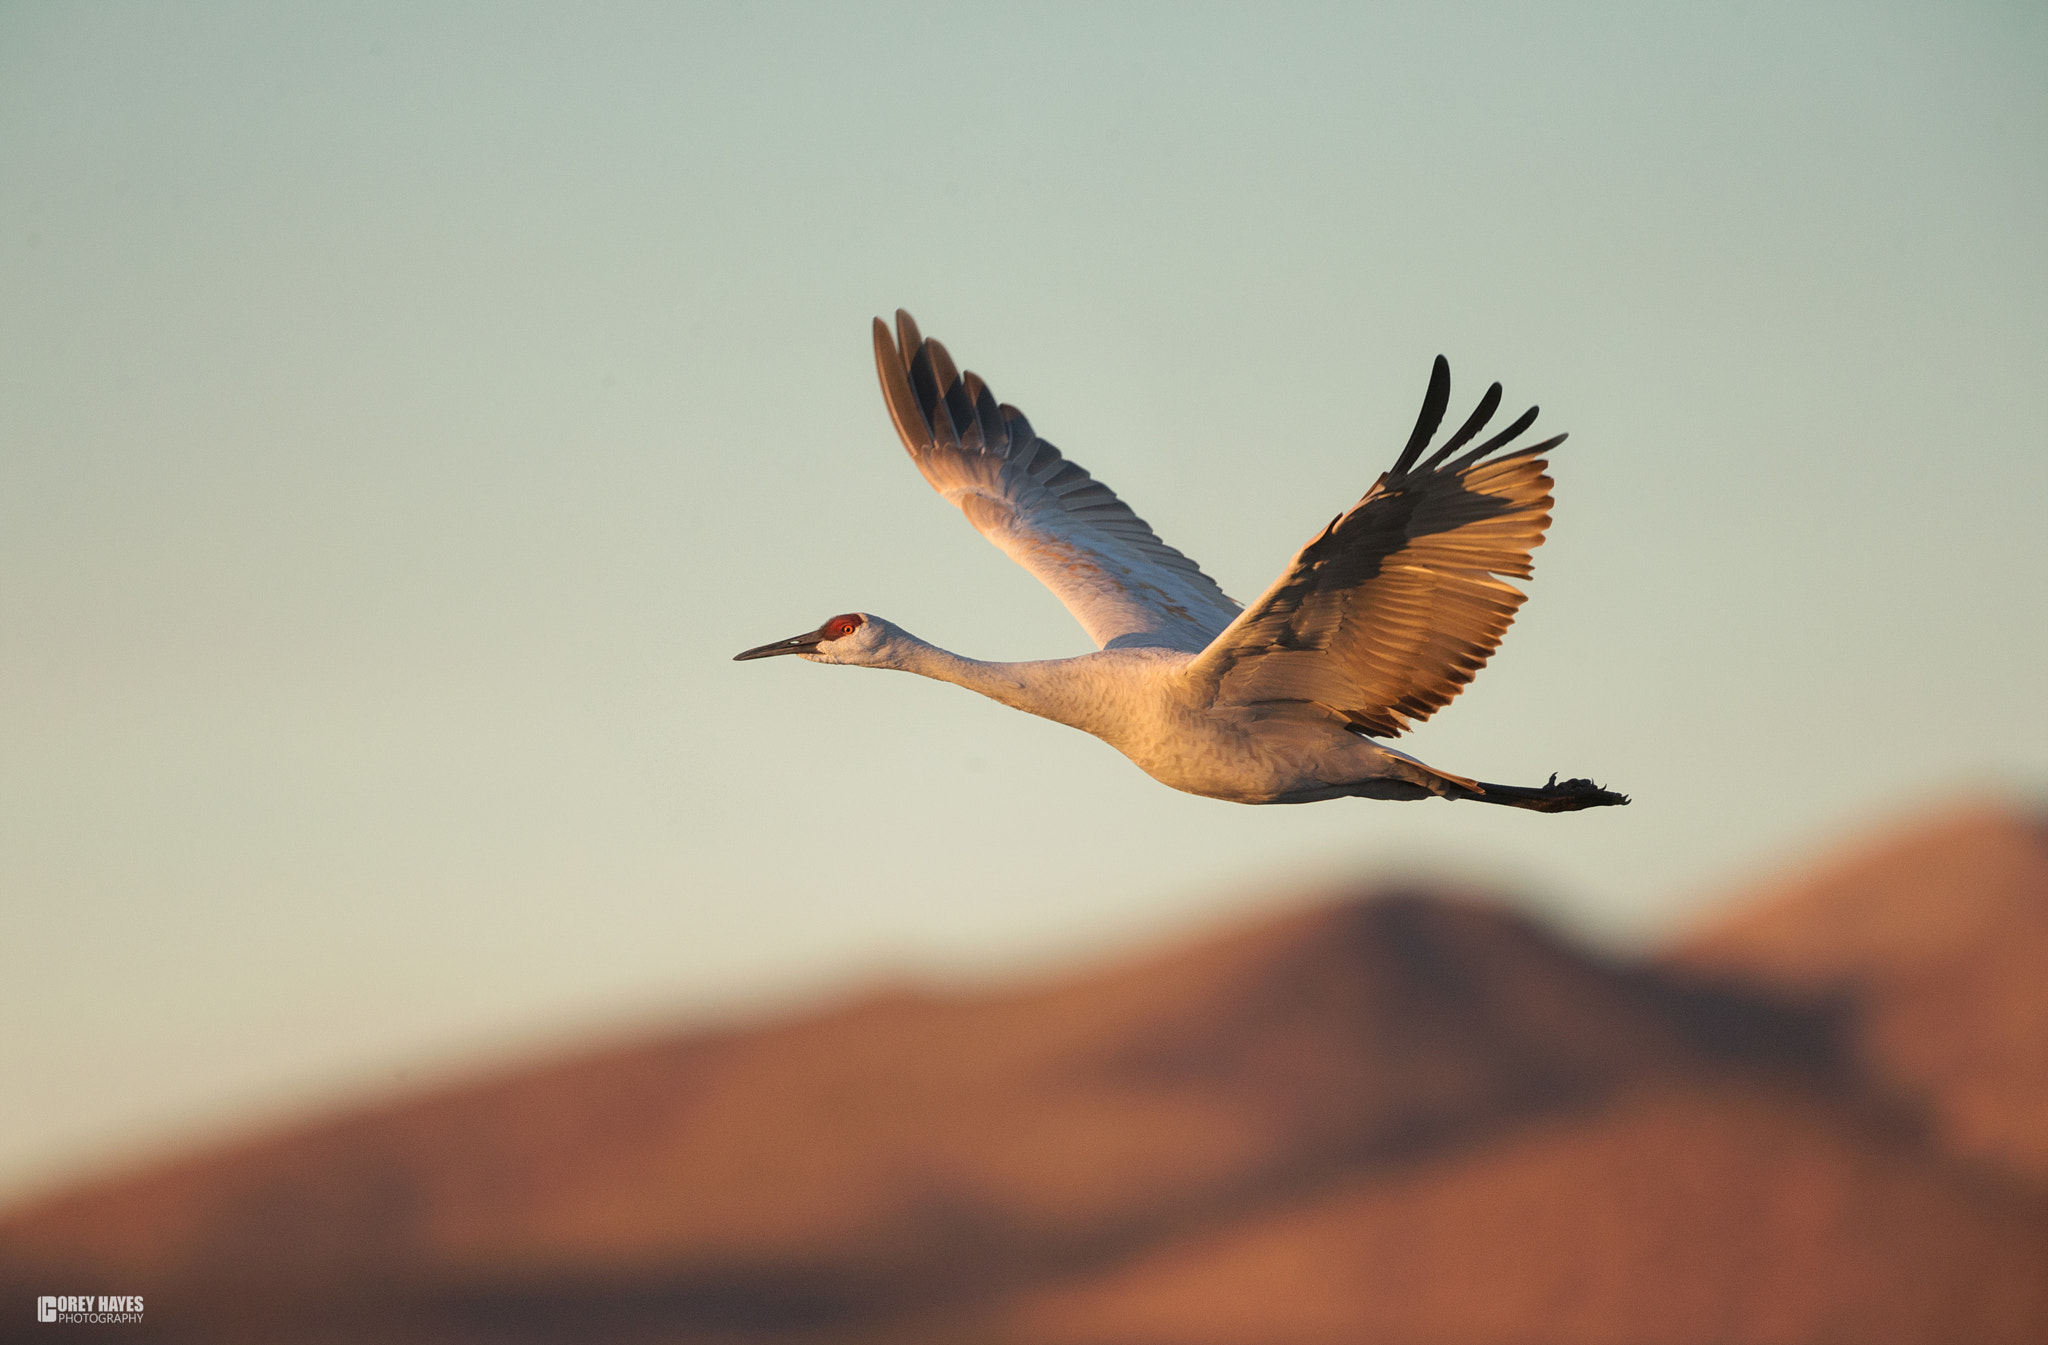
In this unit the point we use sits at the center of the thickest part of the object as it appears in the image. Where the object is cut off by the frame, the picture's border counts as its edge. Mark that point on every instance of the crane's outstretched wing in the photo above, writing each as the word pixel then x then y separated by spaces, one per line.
pixel 1125 586
pixel 1387 614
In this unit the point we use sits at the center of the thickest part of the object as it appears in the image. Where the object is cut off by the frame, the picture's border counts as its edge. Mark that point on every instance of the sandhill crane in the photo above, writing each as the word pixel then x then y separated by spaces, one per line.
pixel 1376 625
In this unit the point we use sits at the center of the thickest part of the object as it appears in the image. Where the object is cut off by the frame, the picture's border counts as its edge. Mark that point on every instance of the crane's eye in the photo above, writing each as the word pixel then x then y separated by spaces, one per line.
pixel 840 626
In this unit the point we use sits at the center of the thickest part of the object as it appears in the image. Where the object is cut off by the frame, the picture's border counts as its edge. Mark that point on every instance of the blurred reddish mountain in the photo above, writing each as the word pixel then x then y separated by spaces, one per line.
pixel 1402 1118
pixel 1938 940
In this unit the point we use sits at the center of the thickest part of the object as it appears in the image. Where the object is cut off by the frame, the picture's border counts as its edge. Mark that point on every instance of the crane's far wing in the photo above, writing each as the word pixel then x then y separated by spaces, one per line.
pixel 1387 614
pixel 1125 586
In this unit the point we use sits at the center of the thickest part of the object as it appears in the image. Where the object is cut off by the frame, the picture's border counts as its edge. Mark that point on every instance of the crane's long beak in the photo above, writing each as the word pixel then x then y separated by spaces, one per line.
pixel 801 644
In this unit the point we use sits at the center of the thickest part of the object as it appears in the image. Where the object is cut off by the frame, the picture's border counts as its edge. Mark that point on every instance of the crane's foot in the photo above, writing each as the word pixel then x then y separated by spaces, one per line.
pixel 1553 797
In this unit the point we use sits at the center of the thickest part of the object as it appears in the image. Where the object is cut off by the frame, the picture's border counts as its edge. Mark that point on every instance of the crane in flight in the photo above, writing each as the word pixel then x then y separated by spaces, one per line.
pixel 1374 626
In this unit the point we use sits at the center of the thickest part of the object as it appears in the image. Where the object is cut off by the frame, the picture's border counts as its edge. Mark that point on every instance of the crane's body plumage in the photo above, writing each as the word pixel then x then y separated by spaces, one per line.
pixel 1377 623
pixel 1145 703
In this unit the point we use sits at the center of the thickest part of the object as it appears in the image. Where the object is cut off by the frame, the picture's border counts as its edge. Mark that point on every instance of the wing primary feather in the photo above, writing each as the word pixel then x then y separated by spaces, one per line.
pixel 944 432
pixel 924 382
pixel 1472 458
pixel 961 408
pixel 995 433
pixel 943 371
pixel 1434 402
pixel 971 437
pixel 1473 425
pixel 907 335
pixel 896 390
pixel 1522 422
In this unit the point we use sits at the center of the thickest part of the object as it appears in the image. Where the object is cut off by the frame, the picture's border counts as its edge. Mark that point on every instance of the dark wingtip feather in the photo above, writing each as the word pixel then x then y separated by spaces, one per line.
pixel 944 372
pixel 927 377
pixel 1526 451
pixel 1522 422
pixel 1474 423
pixel 995 431
pixel 923 381
pixel 1434 403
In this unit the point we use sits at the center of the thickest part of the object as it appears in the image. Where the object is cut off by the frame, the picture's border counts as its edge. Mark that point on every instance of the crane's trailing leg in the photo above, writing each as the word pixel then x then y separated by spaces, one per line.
pixel 1553 797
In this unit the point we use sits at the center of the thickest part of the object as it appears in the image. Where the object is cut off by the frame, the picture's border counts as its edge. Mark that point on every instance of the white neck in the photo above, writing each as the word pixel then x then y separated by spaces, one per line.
pixel 1043 687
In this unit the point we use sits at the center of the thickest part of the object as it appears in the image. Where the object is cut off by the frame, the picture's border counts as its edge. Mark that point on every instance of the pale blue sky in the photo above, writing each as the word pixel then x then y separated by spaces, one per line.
pixel 406 411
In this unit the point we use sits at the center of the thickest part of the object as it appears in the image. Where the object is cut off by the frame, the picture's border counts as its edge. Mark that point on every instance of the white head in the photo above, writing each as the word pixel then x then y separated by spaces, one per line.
pixel 851 637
